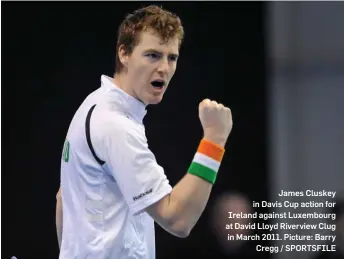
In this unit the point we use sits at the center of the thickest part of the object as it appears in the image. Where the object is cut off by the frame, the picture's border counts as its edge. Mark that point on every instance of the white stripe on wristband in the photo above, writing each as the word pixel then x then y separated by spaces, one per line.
pixel 207 161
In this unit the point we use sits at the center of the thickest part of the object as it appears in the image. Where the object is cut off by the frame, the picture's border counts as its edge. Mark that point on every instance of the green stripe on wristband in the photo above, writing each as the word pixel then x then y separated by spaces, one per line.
pixel 203 172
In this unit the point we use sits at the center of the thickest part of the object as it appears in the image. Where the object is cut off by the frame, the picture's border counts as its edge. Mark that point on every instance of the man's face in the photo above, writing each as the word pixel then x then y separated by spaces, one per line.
pixel 151 66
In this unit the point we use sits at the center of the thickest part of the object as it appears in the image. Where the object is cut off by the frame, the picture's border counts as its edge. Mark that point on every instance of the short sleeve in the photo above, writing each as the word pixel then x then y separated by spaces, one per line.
pixel 134 167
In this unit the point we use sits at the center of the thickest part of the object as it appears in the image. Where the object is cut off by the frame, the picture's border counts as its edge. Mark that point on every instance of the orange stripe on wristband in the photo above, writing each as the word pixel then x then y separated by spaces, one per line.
pixel 211 149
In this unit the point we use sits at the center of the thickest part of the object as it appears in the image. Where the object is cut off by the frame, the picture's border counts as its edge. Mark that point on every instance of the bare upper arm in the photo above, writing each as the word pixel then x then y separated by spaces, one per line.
pixel 165 213
pixel 58 195
pixel 159 210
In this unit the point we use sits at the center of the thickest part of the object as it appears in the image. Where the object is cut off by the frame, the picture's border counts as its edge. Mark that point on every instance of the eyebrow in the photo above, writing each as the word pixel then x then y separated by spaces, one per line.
pixel 156 51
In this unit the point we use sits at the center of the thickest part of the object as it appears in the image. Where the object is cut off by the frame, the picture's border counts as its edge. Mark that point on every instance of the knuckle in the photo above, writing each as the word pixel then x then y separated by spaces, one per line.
pixel 205 101
pixel 213 105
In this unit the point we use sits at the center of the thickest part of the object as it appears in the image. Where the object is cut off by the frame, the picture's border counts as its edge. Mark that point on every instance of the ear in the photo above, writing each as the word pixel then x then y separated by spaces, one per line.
pixel 123 55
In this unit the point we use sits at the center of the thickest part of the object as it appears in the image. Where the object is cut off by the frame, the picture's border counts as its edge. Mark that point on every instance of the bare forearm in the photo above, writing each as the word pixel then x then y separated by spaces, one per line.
pixel 59 218
pixel 179 211
pixel 190 196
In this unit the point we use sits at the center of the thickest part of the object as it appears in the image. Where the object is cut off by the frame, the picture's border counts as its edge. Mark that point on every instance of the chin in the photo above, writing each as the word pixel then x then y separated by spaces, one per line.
pixel 155 101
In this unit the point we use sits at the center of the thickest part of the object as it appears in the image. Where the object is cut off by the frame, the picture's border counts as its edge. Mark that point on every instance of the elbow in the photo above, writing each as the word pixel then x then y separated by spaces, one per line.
pixel 170 219
pixel 180 224
pixel 181 229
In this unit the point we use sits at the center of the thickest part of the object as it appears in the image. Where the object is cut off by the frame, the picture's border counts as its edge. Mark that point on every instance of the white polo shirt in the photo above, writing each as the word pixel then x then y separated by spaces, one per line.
pixel 104 194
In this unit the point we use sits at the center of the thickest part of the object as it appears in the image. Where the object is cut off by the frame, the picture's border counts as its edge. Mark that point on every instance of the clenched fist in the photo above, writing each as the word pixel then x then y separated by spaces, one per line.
pixel 216 120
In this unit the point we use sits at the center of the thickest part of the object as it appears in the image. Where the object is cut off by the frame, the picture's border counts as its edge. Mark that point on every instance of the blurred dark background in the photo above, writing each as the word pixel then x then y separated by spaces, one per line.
pixel 53 55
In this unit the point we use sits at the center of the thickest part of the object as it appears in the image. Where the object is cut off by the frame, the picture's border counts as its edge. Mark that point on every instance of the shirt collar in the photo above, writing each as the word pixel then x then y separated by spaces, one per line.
pixel 123 101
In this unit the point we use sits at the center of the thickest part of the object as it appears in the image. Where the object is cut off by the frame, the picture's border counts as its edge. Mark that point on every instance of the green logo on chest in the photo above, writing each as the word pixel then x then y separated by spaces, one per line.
pixel 65 153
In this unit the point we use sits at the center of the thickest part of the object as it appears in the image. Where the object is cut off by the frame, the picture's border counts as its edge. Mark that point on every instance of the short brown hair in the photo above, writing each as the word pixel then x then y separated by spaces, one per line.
pixel 165 23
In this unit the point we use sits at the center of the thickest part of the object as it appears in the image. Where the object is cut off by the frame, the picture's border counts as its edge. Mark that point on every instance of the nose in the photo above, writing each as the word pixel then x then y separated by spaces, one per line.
pixel 163 66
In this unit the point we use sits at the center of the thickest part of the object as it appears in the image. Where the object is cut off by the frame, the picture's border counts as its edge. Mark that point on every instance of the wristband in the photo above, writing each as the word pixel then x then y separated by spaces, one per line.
pixel 207 160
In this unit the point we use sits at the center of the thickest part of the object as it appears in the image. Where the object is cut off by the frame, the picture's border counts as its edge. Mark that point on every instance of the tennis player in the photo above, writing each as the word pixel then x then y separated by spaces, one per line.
pixel 112 188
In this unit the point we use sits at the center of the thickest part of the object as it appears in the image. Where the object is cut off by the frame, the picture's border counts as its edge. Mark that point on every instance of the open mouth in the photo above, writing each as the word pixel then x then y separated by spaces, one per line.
pixel 158 84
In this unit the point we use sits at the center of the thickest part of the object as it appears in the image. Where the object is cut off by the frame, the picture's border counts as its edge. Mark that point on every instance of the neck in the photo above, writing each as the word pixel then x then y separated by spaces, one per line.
pixel 122 81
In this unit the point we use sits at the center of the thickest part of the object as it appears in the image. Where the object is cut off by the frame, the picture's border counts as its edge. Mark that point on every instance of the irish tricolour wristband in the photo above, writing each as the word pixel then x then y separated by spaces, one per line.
pixel 207 160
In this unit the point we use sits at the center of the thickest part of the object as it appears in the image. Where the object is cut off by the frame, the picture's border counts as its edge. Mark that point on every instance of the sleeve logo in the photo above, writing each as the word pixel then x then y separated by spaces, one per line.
pixel 142 194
